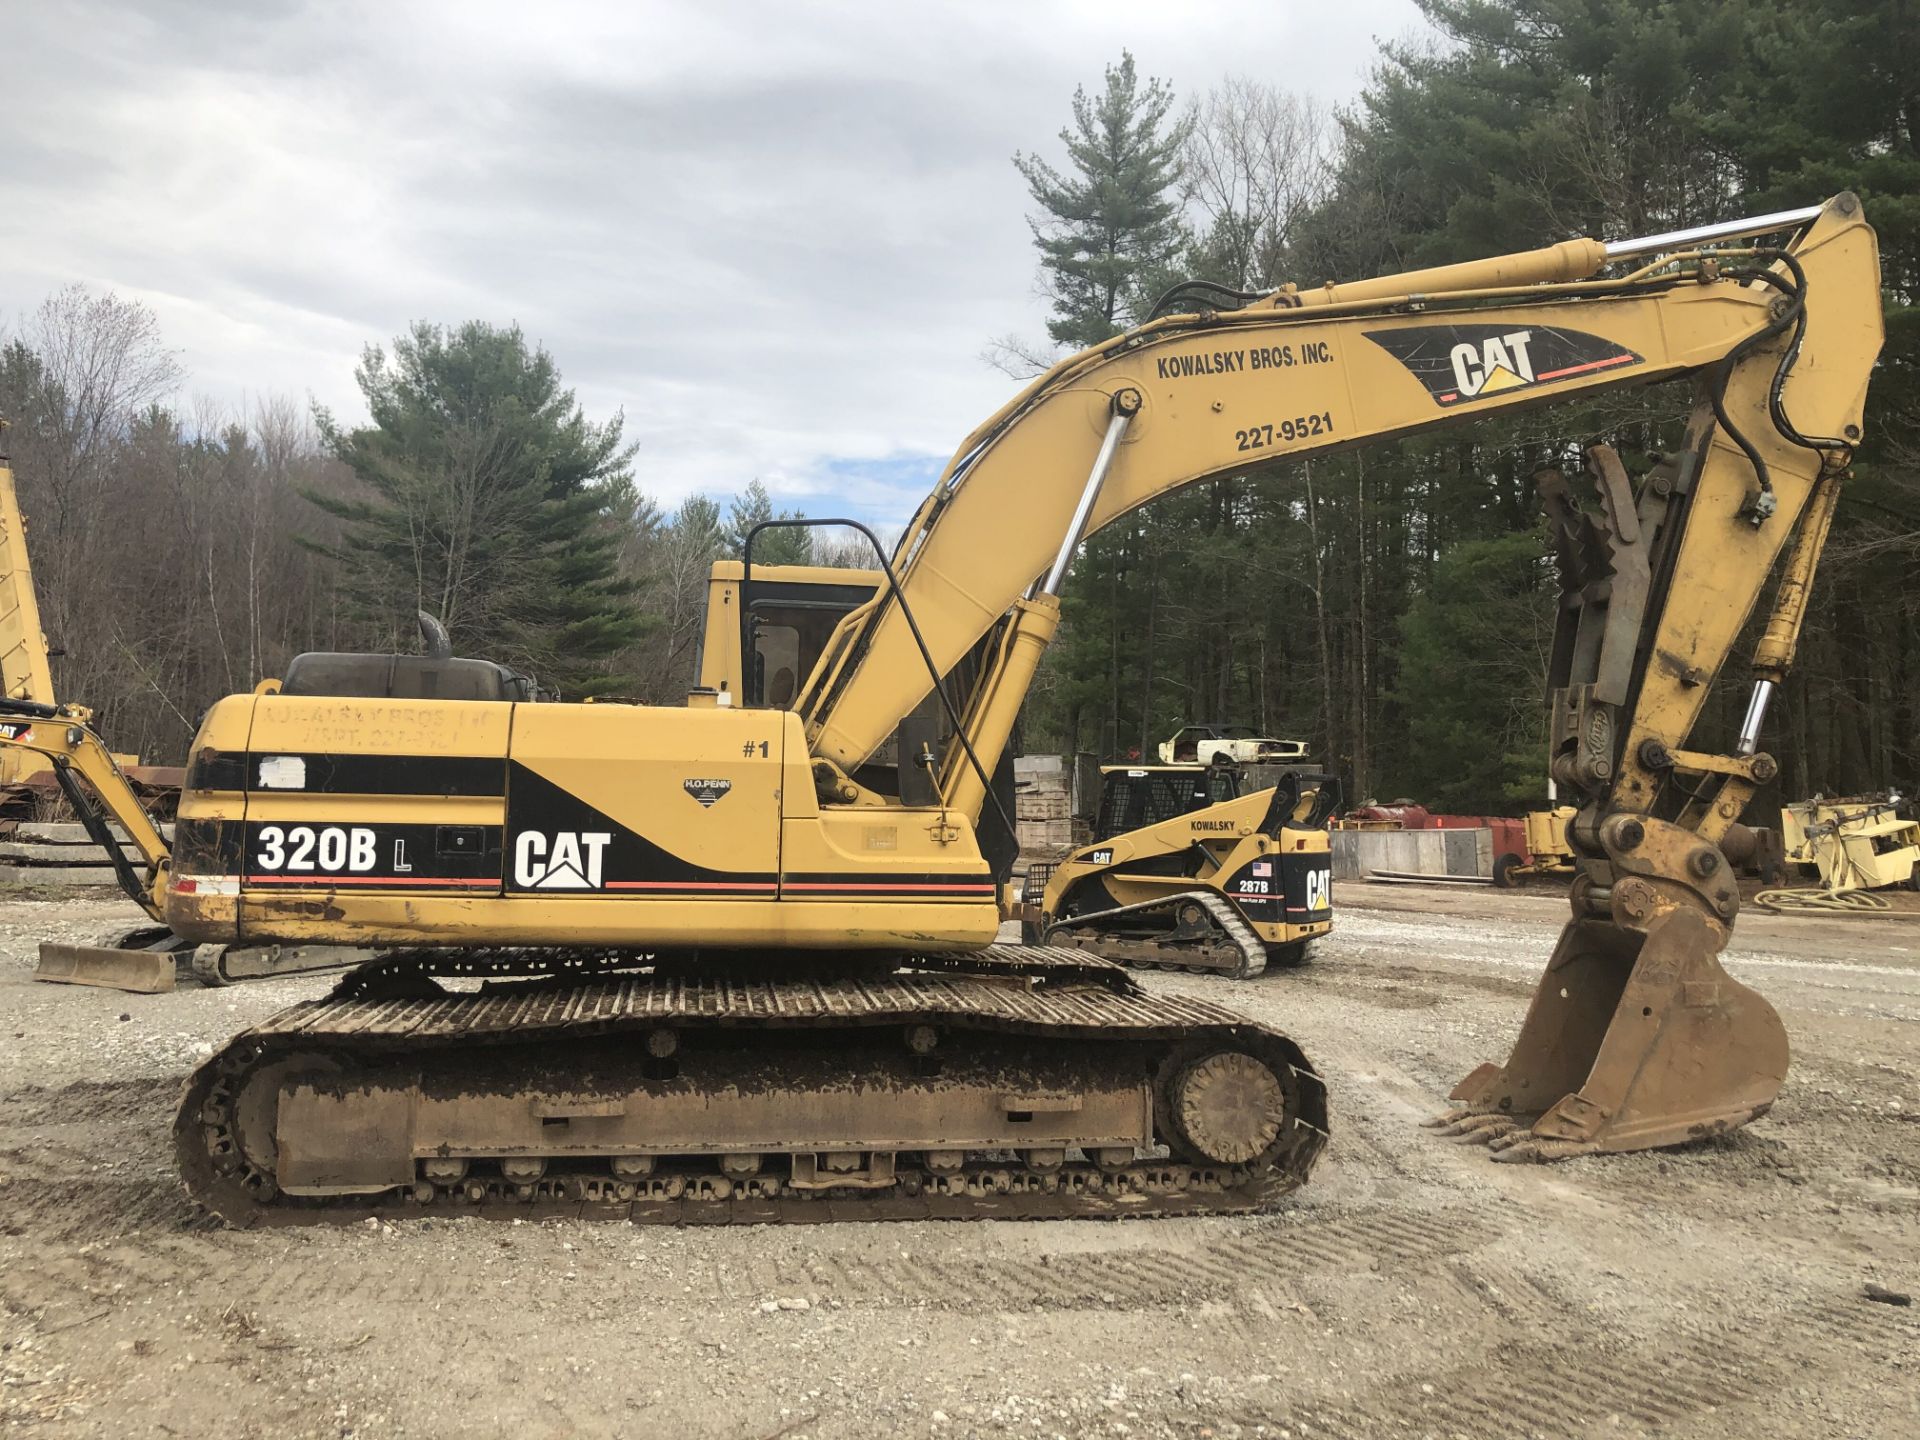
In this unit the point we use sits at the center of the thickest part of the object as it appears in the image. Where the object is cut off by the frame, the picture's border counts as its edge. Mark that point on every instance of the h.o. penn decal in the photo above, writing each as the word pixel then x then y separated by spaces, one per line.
pixel 707 791
pixel 1457 363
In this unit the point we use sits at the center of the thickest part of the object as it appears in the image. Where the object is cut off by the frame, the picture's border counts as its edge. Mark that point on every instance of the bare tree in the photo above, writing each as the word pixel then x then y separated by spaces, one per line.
pixel 672 564
pixel 1257 160
pixel 1019 358
pixel 101 361
pixel 1616 169
pixel 846 550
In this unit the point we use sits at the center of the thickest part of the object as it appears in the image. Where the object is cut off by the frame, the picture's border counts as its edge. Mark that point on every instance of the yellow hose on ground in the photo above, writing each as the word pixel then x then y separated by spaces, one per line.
pixel 1858 903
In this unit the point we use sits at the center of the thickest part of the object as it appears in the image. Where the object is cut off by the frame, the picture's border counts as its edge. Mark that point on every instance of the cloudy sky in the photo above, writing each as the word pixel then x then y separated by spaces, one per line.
pixel 777 236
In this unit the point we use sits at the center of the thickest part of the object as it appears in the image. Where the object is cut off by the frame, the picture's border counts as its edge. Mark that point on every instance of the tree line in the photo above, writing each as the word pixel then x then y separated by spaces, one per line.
pixel 1394 605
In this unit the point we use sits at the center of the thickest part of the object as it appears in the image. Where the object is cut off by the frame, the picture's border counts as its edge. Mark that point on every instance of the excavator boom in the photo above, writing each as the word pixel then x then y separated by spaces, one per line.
pixel 1198 396
pixel 24 671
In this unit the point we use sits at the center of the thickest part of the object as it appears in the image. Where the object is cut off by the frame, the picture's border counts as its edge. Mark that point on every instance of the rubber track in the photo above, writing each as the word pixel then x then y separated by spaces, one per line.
pixel 1253 954
pixel 1089 1001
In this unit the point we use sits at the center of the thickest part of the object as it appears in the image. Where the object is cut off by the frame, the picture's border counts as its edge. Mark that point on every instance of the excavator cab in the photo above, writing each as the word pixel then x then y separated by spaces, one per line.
pixel 785 617
pixel 787 613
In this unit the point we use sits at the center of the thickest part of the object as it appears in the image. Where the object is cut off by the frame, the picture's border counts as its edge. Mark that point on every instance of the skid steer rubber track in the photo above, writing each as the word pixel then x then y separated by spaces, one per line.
pixel 1234 950
pixel 1020 1082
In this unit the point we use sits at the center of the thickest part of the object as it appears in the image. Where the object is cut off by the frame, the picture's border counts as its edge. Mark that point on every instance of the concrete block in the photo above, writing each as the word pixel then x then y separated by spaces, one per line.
pixel 34 877
pixel 1463 854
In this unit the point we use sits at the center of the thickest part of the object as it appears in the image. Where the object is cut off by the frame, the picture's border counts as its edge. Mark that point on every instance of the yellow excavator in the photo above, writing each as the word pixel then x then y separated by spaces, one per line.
pixel 25 672
pixel 730 964
pixel 27 782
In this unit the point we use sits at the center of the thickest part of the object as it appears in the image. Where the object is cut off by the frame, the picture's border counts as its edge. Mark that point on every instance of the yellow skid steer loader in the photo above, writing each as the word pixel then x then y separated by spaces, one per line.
pixel 1187 873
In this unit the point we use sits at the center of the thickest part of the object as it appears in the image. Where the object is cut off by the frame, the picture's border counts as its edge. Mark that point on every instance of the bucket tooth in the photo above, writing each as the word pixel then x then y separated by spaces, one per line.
pixel 1634 1042
pixel 1483 1129
pixel 1451 1122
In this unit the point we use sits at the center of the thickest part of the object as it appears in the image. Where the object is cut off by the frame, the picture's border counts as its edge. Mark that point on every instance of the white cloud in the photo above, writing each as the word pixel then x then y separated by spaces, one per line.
pixel 776 236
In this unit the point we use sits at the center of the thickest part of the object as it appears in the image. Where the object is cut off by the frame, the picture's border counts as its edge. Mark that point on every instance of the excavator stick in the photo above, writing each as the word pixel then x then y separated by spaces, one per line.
pixel 1634 1040
pixel 1636 1036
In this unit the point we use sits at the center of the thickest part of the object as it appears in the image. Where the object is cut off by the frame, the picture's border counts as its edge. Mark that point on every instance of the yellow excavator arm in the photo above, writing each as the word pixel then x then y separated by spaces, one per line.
pixel 37 733
pixel 64 735
pixel 1637 1036
pixel 1189 397
pixel 24 672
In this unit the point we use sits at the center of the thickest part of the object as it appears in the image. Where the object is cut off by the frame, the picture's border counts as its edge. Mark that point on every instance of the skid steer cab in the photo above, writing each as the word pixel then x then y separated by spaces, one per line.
pixel 1191 870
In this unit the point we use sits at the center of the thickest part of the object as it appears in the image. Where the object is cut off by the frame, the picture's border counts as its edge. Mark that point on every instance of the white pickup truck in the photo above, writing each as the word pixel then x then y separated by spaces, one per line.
pixel 1234 744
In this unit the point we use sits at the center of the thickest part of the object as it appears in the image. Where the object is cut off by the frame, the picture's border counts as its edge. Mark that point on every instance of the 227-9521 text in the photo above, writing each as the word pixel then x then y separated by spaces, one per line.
pixel 1301 427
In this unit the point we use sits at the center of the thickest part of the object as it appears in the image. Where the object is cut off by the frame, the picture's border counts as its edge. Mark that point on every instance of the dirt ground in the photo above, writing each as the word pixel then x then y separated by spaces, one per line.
pixel 1413 1288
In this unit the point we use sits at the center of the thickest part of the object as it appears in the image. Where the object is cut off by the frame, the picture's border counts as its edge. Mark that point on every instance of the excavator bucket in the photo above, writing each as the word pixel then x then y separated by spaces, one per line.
pixel 1632 1042
pixel 144 972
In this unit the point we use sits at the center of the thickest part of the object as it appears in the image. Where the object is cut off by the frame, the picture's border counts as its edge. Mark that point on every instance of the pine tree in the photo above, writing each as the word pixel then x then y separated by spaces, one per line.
pixel 486 502
pixel 1472 671
pixel 788 546
pixel 698 529
pixel 1111 225
pixel 1108 234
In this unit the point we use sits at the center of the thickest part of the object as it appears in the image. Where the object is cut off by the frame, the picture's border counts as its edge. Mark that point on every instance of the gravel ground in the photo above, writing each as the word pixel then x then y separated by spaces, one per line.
pixel 1413 1288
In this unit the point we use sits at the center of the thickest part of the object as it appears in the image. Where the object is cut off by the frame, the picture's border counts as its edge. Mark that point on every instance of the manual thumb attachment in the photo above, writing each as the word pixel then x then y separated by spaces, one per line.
pixel 1634 1040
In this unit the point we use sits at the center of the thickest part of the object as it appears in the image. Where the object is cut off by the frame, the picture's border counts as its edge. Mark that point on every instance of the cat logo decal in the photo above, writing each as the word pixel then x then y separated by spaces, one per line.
pixel 1457 363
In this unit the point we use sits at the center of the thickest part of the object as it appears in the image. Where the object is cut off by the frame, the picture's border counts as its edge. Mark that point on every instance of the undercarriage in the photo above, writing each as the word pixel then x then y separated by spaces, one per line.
pixel 1022 1082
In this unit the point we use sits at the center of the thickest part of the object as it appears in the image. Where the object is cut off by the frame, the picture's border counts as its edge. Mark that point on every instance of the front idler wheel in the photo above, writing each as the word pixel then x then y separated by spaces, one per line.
pixel 1226 1107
